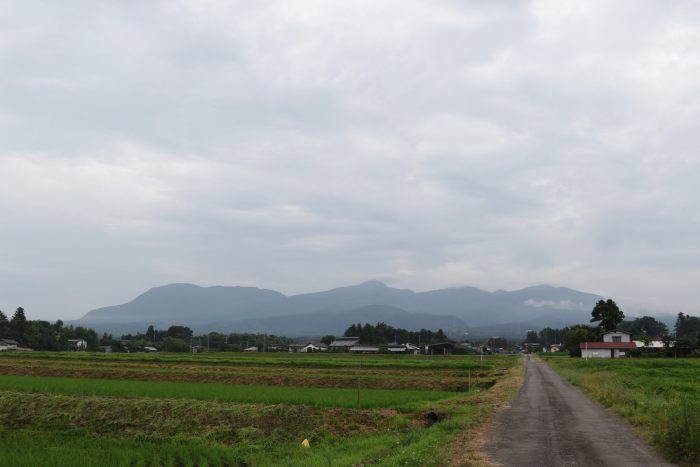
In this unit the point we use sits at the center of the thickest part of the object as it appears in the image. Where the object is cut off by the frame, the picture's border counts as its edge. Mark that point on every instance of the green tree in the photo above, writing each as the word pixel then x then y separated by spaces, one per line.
pixel 644 326
pixel 327 339
pixel 180 332
pixel 608 314
pixel 577 334
pixel 549 336
pixel 18 324
pixel 173 344
pixel 687 327
pixel 4 326
pixel 532 337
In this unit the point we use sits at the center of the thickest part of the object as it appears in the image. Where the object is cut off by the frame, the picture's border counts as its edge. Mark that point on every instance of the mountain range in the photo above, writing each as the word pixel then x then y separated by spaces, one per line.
pixel 457 310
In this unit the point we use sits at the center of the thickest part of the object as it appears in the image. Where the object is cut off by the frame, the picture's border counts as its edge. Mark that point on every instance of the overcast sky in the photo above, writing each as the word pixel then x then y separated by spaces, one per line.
pixel 303 145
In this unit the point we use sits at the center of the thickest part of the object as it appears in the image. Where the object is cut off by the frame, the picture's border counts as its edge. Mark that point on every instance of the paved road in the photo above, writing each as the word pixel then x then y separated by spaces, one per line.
pixel 551 423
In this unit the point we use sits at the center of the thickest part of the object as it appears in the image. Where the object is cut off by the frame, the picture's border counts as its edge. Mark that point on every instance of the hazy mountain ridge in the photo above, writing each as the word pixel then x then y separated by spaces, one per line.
pixel 252 309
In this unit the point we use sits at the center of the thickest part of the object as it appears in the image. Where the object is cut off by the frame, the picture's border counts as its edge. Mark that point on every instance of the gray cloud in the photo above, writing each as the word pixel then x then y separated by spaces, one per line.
pixel 303 145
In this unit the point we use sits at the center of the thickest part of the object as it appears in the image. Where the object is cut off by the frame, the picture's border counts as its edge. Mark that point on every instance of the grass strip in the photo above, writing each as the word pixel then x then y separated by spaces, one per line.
pixel 326 397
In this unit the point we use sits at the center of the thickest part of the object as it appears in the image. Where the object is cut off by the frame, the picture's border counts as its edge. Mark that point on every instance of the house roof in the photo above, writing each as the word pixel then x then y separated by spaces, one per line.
pixel 9 341
pixel 364 348
pixel 447 344
pixel 345 341
pixel 617 331
pixel 607 345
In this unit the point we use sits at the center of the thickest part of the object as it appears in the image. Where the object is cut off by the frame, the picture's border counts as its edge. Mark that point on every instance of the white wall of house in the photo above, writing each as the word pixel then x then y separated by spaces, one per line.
pixel 595 353
pixel 616 336
pixel 652 344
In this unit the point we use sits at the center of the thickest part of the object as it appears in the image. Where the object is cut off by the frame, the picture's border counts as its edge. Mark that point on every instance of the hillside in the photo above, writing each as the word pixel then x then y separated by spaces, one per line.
pixel 456 310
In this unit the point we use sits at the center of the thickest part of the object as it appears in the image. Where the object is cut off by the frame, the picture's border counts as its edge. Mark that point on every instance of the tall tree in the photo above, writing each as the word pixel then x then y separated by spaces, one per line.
pixel 645 326
pixel 577 334
pixel 18 323
pixel 532 337
pixel 4 325
pixel 608 313
pixel 687 327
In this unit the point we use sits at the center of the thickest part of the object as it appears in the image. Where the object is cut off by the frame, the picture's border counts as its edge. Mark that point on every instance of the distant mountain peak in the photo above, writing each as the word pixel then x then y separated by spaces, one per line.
pixel 374 283
pixel 221 307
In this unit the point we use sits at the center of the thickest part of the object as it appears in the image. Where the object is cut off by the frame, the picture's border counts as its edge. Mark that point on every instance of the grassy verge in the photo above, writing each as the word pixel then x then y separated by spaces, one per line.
pixel 660 398
pixel 466 446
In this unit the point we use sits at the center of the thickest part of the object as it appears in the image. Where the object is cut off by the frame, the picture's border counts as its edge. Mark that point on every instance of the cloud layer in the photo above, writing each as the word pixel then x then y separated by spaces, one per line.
pixel 305 145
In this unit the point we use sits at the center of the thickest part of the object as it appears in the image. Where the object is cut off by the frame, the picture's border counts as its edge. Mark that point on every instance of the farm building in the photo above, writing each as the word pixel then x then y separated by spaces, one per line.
pixel 77 344
pixel 343 343
pixel 615 344
pixel 8 344
pixel 406 348
pixel 312 348
pixel 443 348
pixel 652 344
pixel 364 349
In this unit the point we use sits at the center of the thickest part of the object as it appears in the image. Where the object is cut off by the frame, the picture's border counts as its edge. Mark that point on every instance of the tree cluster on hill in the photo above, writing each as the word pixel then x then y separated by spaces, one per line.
pixel 43 335
pixel 382 333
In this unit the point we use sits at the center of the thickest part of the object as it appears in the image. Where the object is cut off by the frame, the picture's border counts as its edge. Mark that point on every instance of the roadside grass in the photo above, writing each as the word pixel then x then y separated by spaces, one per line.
pixel 660 398
pixel 328 397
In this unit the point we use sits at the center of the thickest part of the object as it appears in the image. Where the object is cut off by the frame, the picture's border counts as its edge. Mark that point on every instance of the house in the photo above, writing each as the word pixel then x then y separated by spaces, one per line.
pixel 8 344
pixel 251 349
pixel 442 348
pixel 150 349
pixel 406 348
pixel 652 344
pixel 364 349
pixel 615 344
pixel 312 348
pixel 555 348
pixel 77 345
pixel 343 343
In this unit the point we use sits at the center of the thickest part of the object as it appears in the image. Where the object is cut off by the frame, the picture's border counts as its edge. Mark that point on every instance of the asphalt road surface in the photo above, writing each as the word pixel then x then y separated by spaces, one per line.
pixel 551 423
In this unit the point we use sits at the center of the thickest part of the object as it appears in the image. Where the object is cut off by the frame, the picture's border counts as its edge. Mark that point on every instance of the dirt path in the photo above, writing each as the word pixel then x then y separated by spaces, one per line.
pixel 551 423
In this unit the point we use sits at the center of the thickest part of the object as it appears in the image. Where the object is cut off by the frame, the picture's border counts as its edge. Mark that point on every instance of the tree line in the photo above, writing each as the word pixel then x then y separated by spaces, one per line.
pixel 382 334
pixel 43 335
pixel 179 338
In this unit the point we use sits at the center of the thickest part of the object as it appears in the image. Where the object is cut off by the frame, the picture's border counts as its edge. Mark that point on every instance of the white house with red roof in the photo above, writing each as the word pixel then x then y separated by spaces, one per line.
pixel 615 344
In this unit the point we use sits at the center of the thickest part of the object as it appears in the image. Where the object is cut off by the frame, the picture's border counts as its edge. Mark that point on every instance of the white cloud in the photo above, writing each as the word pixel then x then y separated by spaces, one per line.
pixel 303 145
